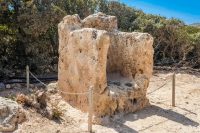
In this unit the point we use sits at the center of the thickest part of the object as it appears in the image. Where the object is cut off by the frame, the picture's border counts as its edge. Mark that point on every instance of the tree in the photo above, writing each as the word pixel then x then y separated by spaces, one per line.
pixel 125 15
pixel 28 30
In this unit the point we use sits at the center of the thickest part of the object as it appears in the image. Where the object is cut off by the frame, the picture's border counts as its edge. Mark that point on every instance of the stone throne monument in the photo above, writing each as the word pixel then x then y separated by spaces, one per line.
pixel 92 52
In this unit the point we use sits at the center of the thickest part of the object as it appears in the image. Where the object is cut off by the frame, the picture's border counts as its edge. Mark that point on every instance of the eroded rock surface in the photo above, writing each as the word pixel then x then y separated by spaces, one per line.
pixel 100 21
pixel 10 115
pixel 118 65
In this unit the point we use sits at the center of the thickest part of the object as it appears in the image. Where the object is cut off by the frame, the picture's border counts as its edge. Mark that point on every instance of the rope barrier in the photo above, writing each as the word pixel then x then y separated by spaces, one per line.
pixel 90 93
pixel 78 93
pixel 87 92
pixel 69 93
pixel 37 79
pixel 130 91
pixel 167 78
pixel 124 94
pixel 158 88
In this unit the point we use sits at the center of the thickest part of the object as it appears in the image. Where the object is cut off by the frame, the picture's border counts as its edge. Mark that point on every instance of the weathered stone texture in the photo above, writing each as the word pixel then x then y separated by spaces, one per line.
pixel 117 64
pixel 130 54
pixel 10 115
pixel 100 21
pixel 84 64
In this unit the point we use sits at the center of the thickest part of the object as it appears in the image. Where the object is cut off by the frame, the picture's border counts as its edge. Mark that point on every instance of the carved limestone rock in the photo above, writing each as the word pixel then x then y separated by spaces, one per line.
pixel 118 65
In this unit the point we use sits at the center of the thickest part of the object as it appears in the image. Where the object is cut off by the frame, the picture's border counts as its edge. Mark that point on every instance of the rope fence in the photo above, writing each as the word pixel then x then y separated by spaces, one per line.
pixel 37 79
pixel 81 93
pixel 167 80
pixel 70 93
pixel 173 79
pixel 90 92
pixel 157 88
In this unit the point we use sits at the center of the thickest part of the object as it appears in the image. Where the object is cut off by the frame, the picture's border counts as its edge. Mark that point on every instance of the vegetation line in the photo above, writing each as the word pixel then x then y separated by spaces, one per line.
pixel 29 36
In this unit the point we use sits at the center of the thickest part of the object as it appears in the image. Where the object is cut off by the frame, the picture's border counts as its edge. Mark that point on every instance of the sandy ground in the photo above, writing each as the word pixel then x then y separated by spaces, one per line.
pixel 157 118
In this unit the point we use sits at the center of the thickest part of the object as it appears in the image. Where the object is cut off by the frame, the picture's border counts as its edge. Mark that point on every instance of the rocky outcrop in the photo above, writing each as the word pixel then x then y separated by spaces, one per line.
pixel 10 115
pixel 118 65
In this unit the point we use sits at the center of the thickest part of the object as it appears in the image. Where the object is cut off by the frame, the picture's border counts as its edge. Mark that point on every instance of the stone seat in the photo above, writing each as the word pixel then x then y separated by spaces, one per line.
pixel 119 65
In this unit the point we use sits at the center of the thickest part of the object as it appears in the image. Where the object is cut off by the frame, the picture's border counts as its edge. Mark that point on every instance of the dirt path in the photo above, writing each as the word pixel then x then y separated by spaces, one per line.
pixel 157 118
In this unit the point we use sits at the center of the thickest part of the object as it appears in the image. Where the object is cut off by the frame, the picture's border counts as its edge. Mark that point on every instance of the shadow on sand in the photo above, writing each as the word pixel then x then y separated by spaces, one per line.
pixel 118 123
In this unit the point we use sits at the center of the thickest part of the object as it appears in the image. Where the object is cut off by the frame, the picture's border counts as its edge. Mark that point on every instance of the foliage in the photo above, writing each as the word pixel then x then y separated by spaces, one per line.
pixel 28 30
pixel 126 15
pixel 56 111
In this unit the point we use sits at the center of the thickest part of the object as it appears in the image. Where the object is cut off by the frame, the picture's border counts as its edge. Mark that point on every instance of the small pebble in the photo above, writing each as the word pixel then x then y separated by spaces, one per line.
pixel 8 86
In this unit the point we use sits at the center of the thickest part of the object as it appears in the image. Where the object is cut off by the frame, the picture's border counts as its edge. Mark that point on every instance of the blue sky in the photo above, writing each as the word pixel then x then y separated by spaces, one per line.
pixel 186 10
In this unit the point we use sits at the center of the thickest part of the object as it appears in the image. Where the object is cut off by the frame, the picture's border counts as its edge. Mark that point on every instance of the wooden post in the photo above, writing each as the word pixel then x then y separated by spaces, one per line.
pixel 173 89
pixel 90 115
pixel 27 77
